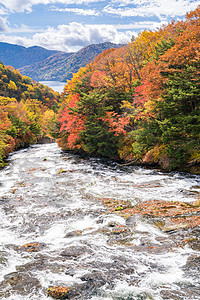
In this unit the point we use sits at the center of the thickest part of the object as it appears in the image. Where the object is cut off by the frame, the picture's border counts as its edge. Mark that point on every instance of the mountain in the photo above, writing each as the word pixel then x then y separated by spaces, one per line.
pixel 51 68
pixel 19 56
pixel 61 66
pixel 85 56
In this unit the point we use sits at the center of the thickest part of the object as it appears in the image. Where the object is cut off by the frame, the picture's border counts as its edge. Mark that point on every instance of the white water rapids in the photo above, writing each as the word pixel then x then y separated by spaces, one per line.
pixel 61 212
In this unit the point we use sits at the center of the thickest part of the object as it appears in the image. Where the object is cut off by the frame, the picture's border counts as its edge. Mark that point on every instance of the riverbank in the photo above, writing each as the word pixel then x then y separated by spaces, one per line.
pixel 39 140
pixel 192 167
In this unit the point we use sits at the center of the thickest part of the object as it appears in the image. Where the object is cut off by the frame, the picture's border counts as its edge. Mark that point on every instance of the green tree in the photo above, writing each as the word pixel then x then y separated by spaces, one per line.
pixel 180 112
pixel 96 137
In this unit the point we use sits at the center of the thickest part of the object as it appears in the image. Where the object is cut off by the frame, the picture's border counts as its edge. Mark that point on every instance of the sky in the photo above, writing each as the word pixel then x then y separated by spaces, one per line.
pixel 69 25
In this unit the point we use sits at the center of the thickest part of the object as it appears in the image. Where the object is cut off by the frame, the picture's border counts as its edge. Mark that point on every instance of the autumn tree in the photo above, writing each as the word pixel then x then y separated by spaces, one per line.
pixel 23 104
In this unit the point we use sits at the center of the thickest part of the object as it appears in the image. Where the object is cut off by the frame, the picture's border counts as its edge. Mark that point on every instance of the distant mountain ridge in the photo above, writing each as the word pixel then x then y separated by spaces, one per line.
pixel 61 66
pixel 42 64
pixel 19 56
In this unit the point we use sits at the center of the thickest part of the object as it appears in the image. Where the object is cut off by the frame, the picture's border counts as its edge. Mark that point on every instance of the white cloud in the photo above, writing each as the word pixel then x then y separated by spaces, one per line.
pixel 15 40
pixel 3 11
pixel 26 5
pixel 148 25
pixel 20 5
pixel 76 35
pixel 25 29
pixel 72 37
pixel 78 11
pixel 3 24
pixel 144 8
pixel 123 8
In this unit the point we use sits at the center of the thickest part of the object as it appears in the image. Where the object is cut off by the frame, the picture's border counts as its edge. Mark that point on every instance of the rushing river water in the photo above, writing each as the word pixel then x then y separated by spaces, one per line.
pixel 74 243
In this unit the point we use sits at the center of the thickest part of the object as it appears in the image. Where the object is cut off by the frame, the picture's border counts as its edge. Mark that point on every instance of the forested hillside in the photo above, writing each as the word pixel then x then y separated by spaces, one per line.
pixel 27 111
pixel 61 66
pixel 52 68
pixel 140 103
pixel 19 56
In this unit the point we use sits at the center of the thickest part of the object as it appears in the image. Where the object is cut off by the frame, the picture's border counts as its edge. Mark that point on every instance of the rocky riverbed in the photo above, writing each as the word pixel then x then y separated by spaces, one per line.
pixel 80 228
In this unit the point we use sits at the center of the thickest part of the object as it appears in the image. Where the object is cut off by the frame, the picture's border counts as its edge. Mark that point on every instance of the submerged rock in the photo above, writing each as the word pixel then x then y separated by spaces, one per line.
pixel 75 251
pixel 74 233
pixel 172 295
pixel 90 285
pixel 62 171
pixel 174 227
pixel 32 247
pixel 197 202
pixel 58 292
pixel 19 282
pixel 193 263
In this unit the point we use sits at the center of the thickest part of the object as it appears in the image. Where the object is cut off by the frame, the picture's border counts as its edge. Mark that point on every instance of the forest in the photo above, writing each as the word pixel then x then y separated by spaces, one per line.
pixel 27 111
pixel 139 104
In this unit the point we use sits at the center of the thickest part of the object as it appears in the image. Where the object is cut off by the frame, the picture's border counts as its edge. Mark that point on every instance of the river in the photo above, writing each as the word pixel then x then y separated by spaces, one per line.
pixel 56 232
pixel 57 86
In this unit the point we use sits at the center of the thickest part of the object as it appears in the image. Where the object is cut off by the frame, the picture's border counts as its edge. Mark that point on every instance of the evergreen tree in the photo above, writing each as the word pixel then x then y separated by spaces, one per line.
pixel 96 137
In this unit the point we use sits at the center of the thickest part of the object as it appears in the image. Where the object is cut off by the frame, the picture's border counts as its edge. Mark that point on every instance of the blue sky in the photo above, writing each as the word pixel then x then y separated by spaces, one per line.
pixel 69 25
